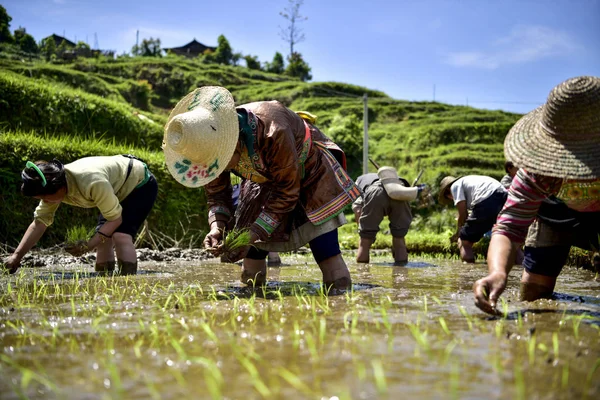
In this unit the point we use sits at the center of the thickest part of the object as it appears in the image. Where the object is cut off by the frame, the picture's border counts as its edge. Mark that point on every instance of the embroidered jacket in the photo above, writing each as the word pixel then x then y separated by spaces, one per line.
pixel 294 158
pixel 527 192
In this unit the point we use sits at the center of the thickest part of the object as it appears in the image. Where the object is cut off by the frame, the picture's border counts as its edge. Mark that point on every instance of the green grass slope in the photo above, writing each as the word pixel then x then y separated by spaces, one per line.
pixel 93 106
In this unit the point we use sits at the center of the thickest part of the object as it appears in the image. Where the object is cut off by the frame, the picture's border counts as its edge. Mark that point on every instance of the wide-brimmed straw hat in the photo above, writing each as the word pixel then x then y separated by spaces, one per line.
pixel 444 185
pixel 397 188
pixel 561 138
pixel 201 135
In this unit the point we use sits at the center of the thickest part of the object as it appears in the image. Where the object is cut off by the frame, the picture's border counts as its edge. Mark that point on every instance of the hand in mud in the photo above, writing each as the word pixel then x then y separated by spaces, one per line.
pixel 77 249
pixel 213 242
pixel 11 264
pixel 487 291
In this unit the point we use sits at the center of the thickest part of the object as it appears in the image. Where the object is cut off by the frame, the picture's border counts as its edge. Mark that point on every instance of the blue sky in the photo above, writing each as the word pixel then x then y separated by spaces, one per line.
pixel 498 54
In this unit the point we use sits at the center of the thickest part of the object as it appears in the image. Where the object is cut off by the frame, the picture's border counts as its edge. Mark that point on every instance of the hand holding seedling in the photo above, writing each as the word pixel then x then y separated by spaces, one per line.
pixel 237 243
pixel 487 291
pixel 77 249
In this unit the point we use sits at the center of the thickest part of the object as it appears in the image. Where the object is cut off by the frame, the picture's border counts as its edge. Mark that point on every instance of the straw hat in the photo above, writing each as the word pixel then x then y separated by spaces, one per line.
pixel 444 185
pixel 396 187
pixel 561 138
pixel 201 135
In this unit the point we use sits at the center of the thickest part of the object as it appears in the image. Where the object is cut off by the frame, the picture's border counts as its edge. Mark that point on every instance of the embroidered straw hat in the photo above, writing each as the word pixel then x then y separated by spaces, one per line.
pixel 445 185
pixel 201 135
pixel 561 138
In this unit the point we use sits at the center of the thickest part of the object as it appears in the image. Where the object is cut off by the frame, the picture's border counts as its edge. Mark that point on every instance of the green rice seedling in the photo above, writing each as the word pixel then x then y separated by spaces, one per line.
pixel 379 375
pixel 295 381
pixel 565 376
pixel 531 349
pixel 236 239
pixel 467 316
pixel 555 344
pixel 499 328
pixel 420 337
pixel 591 373
pixel 257 381
pixel 519 382
pixel 444 326
pixel 322 330
pixel 77 233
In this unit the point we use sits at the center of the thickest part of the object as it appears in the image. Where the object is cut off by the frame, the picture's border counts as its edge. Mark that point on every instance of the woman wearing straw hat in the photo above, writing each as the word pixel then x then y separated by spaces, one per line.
pixel 121 187
pixel 295 186
pixel 554 200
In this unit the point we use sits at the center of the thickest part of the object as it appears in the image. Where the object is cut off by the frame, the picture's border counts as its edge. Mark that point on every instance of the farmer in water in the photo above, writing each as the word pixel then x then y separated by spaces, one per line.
pixel 121 187
pixel 478 200
pixel 295 185
pixel 554 200
pixel 384 194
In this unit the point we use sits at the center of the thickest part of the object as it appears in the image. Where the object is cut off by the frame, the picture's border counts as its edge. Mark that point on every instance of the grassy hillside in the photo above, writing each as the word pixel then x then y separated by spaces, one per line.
pixel 102 107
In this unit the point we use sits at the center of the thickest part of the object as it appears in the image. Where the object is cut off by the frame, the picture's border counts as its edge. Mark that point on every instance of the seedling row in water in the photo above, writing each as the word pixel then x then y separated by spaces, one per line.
pixel 187 332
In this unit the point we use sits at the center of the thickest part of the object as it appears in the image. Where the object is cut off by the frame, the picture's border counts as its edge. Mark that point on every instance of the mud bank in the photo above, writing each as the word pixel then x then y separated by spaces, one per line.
pixel 55 257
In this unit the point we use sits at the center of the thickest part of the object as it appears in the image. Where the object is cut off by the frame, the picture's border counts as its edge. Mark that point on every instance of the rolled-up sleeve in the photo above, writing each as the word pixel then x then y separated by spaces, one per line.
pixel 525 195
pixel 44 212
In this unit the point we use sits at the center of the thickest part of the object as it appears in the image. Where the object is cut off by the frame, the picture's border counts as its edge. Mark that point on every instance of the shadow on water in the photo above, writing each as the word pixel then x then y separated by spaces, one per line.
pixel 576 299
pixel 276 289
pixel 593 317
pixel 410 264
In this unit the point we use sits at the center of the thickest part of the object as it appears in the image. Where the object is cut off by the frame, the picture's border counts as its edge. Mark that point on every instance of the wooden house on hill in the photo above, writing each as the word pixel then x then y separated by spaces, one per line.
pixel 192 49
pixel 58 40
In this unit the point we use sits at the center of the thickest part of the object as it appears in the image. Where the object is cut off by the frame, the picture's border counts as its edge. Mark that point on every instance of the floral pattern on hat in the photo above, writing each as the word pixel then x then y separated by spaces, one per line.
pixel 187 170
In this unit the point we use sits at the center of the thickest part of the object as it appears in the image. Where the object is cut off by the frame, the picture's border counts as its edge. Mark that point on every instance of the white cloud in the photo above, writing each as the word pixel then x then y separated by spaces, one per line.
pixel 524 44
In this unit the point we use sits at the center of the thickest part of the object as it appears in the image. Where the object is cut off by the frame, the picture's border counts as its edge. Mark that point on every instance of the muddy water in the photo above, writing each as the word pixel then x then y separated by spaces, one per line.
pixel 189 330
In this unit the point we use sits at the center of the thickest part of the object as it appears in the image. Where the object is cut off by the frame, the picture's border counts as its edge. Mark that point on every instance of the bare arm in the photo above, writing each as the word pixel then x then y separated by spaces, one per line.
pixel 34 232
pixel 461 206
pixel 501 255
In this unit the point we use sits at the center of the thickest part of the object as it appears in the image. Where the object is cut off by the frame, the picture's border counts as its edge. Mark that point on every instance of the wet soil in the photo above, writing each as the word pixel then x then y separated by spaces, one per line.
pixel 186 328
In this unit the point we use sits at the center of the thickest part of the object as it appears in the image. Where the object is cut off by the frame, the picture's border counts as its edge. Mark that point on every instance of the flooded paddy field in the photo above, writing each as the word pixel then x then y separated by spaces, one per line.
pixel 189 329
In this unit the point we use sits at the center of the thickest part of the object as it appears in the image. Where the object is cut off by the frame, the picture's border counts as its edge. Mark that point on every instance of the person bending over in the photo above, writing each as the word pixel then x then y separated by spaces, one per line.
pixel 121 187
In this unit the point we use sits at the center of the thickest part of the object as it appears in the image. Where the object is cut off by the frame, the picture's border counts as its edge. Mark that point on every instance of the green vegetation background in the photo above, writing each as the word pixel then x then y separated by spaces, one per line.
pixel 105 107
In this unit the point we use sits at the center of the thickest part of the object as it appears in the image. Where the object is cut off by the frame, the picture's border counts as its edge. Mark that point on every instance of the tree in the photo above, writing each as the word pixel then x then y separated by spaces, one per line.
pixel 292 34
pixel 223 53
pixel 252 62
pixel 25 41
pixel 48 48
pixel 148 48
pixel 298 67
pixel 5 19
pixel 63 47
pixel 83 49
pixel 235 58
pixel 276 66
pixel 346 132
